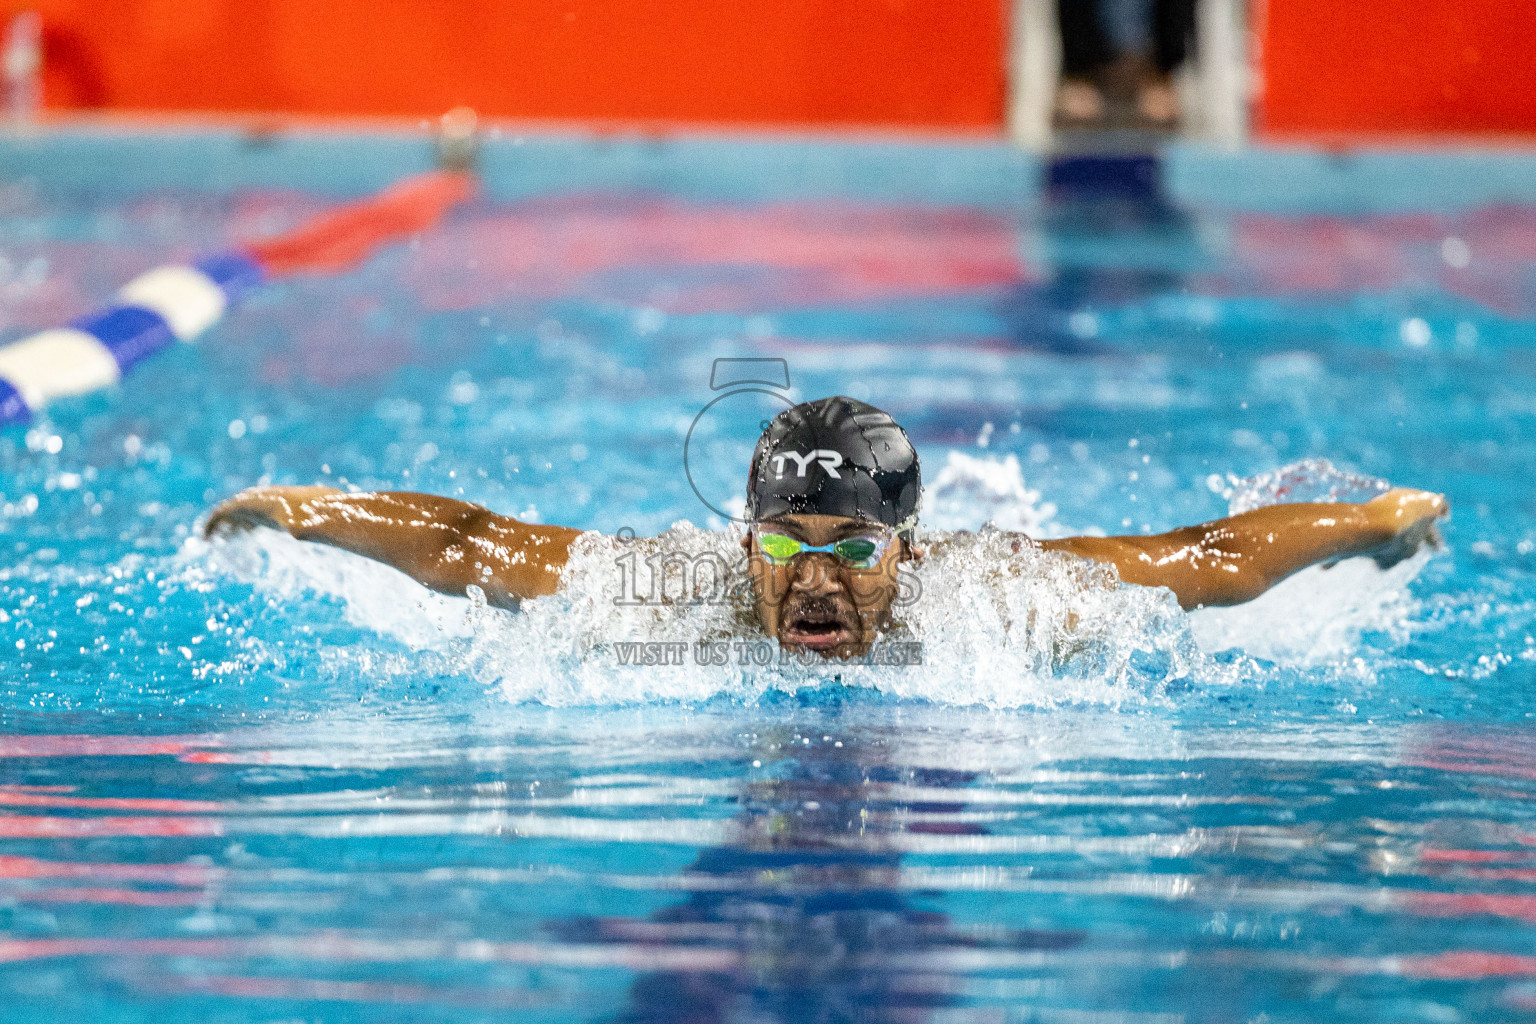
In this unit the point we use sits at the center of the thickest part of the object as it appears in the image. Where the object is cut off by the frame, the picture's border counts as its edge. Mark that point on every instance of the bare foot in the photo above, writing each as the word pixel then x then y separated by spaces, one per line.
pixel 1079 102
pixel 1158 102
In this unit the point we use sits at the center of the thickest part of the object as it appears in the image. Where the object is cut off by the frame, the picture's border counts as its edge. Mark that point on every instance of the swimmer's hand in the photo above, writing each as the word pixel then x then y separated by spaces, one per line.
pixel 281 508
pixel 1410 517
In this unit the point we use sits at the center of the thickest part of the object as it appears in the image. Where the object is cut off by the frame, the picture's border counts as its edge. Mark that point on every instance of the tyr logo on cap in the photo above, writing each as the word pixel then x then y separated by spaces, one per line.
pixel 828 458
pixel 868 469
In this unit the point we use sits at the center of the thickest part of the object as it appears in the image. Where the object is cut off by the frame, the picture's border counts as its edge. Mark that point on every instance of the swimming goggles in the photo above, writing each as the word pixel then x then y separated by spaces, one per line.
pixel 861 551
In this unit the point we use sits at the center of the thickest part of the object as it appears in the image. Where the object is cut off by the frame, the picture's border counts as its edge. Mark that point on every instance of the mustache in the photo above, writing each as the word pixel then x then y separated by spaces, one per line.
pixel 821 607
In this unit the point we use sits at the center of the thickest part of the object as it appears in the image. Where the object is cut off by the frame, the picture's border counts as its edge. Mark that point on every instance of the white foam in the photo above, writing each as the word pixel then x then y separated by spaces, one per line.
pixel 998 627
pixel 373 596
pixel 994 625
pixel 970 491
pixel 1304 480
pixel 1001 623
pixel 1317 616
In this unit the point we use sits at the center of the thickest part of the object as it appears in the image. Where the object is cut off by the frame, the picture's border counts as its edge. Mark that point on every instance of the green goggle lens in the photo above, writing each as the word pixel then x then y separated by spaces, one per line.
pixel 855 549
pixel 778 547
pixel 858 552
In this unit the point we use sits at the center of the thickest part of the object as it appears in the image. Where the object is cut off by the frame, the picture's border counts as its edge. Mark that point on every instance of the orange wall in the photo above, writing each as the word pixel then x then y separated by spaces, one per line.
pixel 928 63
pixel 1330 67
pixel 1414 66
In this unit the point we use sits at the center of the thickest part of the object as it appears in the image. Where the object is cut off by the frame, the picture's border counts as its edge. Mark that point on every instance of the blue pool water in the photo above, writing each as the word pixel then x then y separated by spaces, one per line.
pixel 256 781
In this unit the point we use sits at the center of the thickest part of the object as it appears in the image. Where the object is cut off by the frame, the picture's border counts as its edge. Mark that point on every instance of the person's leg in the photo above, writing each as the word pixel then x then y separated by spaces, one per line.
pixel 1173 33
pixel 1127 26
pixel 1083 52
pixel 1083 46
pixel 1173 28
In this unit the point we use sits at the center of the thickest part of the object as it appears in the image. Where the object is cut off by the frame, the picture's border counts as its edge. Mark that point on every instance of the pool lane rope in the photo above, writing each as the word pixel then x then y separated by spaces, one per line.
pixel 178 303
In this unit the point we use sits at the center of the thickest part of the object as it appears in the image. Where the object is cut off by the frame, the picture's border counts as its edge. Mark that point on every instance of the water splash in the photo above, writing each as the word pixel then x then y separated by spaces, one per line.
pixel 970 491
pixel 1000 623
pixel 1302 481
pixel 1318 615
pixel 372 595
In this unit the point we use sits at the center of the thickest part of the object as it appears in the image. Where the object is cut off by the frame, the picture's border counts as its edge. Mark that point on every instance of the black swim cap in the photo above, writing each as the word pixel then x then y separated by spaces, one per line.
pixel 836 457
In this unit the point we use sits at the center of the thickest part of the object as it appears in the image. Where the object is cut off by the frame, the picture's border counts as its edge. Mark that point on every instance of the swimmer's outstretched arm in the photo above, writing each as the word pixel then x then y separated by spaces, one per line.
pixel 442 543
pixel 1233 560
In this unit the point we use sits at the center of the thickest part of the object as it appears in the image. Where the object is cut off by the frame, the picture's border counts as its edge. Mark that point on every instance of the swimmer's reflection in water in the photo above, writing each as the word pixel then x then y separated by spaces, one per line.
pixel 807 901
pixel 1105 221
pixel 832 501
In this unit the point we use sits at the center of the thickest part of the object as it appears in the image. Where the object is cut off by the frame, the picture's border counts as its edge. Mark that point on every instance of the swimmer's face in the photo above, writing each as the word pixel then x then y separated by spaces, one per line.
pixel 817 600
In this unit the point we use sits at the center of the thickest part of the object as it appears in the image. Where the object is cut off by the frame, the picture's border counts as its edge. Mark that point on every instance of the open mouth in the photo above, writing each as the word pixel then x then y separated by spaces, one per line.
pixel 819 627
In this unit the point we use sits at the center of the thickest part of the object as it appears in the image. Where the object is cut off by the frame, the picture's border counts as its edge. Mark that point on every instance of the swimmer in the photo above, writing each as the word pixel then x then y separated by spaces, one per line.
pixel 832 502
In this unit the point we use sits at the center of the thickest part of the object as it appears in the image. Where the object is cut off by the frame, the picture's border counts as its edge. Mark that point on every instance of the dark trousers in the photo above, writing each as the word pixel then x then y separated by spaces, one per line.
pixel 1084 48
